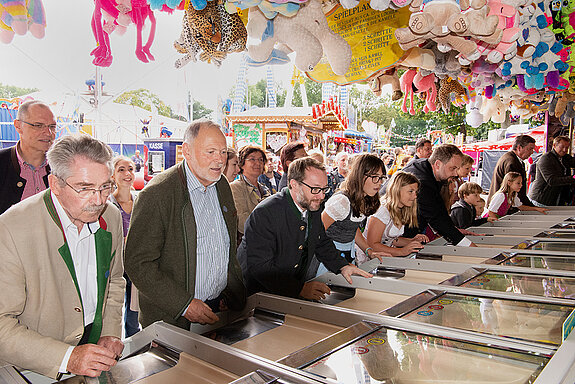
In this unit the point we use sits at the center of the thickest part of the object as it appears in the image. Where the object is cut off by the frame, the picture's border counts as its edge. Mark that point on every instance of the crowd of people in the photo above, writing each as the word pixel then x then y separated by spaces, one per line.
pixel 80 250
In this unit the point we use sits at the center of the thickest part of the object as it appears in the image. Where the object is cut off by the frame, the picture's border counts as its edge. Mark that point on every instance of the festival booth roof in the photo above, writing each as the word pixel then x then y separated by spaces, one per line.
pixel 357 134
pixel 274 115
pixel 299 115
pixel 505 144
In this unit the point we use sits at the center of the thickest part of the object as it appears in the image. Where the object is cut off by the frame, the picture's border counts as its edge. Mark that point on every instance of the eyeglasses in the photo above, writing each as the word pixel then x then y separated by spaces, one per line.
pixel 258 159
pixel 86 193
pixel 316 190
pixel 42 126
pixel 376 179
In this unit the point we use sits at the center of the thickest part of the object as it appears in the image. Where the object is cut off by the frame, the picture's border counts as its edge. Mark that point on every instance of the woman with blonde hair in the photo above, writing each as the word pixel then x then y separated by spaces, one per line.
pixel 398 208
pixel 123 198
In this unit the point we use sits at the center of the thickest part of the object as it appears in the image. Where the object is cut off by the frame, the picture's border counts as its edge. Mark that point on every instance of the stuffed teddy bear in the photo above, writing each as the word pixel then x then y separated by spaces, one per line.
pixel 386 76
pixel 446 24
pixel 307 34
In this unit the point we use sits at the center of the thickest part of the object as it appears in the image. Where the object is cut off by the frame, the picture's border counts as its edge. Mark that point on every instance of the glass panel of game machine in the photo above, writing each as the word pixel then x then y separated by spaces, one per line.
pixel 527 284
pixel 501 317
pixel 544 262
pixel 556 235
pixel 395 356
pixel 542 245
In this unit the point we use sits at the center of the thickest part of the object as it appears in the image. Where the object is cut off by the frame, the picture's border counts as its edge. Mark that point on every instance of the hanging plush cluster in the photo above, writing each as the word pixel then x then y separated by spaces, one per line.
pixel 17 17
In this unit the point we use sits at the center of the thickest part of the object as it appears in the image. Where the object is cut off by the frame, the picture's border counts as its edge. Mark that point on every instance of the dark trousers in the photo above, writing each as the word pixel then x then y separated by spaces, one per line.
pixel 131 324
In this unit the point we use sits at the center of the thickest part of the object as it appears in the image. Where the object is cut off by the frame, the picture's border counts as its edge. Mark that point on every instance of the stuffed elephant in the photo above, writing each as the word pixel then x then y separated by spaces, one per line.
pixel 307 34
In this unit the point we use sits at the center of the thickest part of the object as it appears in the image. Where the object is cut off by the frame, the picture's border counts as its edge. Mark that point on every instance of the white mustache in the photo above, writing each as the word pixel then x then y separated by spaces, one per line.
pixel 93 208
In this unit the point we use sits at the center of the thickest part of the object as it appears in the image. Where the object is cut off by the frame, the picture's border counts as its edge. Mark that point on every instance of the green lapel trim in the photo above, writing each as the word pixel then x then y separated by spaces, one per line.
pixel 104 256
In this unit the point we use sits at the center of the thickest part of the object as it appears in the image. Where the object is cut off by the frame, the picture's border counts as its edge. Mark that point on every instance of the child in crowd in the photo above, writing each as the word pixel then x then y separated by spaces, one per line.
pixel 479 208
pixel 463 172
pixel 506 197
pixel 463 213
pixel 398 208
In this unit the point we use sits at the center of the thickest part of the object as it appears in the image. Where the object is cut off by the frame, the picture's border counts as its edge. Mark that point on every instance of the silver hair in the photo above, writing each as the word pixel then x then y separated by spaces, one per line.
pixel 194 129
pixel 25 107
pixel 65 150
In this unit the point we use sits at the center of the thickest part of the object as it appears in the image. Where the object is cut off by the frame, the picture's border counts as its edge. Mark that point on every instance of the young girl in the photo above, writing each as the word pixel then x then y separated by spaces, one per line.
pixel 124 198
pixel 506 197
pixel 398 208
pixel 345 211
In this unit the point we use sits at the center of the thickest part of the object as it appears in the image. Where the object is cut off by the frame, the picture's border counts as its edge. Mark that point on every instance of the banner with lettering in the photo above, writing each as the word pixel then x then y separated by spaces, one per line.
pixel 370 34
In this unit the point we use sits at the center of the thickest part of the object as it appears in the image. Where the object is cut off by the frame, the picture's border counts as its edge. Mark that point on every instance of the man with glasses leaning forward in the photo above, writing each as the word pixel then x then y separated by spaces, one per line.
pixel 61 256
pixel 23 168
pixel 284 232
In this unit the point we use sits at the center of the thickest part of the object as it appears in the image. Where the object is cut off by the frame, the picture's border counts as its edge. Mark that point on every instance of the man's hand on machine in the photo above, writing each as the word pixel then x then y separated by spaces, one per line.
pixel 314 290
pixel 350 269
pixel 200 312
pixel 90 360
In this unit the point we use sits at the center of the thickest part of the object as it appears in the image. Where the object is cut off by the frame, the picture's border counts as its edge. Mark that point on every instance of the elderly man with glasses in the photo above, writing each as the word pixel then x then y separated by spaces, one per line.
pixel 61 256
pixel 23 168
pixel 283 234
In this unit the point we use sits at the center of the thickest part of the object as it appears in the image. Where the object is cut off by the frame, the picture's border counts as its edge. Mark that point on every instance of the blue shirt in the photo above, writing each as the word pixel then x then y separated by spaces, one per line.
pixel 213 241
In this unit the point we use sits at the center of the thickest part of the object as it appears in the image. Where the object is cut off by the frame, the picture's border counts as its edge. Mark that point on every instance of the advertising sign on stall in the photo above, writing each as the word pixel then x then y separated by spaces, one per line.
pixel 370 34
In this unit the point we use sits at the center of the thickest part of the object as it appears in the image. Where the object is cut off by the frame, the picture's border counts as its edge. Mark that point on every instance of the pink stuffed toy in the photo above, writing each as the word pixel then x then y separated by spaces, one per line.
pixel 427 84
pixel 422 84
pixel 110 15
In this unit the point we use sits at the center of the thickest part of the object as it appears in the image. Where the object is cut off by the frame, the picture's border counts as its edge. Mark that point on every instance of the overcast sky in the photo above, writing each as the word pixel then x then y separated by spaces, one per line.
pixel 61 61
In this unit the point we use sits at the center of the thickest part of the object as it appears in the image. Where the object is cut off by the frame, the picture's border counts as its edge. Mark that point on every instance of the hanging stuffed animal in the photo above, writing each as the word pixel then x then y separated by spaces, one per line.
pixel 206 27
pixel 187 45
pixel 447 88
pixel 20 16
pixel 426 84
pixel 108 15
pixel 307 34
pixel 383 77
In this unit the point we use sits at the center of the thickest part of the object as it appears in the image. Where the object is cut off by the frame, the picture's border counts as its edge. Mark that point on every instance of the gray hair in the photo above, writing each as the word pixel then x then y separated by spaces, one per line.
pixel 297 168
pixel 194 129
pixel 65 150
pixel 25 107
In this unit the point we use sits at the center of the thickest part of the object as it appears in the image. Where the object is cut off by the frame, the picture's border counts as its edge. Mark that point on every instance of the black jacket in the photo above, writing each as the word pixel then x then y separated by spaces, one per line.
pixel 463 215
pixel 509 162
pixel 11 184
pixel 272 250
pixel 430 206
pixel 553 175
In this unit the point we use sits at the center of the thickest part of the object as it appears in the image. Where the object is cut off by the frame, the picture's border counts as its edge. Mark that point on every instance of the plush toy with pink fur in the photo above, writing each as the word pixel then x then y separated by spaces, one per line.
pixel 423 84
pixel 111 15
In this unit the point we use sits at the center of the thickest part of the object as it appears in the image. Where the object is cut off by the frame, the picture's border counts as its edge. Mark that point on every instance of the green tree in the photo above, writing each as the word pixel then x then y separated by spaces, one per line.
pixel 11 91
pixel 312 90
pixel 201 110
pixel 144 98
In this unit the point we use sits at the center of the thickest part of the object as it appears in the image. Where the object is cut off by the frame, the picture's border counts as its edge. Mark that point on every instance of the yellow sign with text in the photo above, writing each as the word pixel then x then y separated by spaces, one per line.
pixel 370 34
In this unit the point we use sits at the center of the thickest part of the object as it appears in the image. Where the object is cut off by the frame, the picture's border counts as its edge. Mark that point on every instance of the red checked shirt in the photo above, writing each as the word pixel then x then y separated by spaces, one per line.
pixel 33 175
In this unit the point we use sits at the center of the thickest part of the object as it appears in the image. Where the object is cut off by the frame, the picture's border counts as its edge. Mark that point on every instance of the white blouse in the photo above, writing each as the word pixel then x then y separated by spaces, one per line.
pixel 391 231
